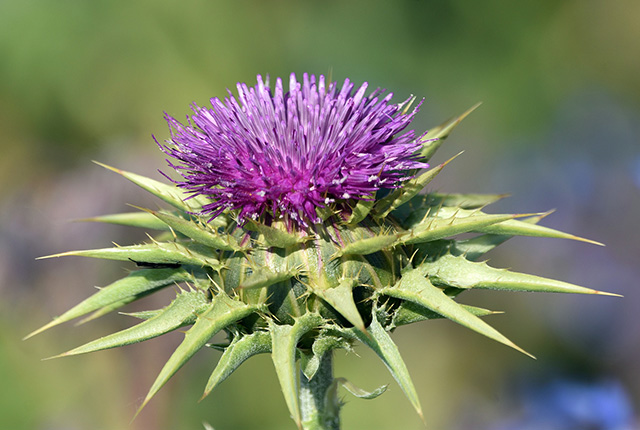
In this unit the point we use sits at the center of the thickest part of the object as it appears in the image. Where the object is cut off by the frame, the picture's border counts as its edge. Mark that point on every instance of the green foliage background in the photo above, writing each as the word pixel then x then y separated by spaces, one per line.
pixel 84 80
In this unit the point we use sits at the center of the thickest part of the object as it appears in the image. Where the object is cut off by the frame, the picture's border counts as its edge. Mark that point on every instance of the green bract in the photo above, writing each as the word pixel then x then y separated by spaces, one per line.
pixel 299 293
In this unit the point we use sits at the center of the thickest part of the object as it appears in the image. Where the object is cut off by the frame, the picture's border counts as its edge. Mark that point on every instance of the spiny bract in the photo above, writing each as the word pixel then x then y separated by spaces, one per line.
pixel 282 235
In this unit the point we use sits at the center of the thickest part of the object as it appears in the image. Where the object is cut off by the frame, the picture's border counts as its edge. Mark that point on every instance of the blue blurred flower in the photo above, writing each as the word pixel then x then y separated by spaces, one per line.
pixel 565 404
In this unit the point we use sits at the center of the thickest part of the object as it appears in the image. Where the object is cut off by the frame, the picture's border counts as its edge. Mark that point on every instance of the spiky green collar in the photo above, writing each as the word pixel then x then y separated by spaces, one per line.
pixel 352 272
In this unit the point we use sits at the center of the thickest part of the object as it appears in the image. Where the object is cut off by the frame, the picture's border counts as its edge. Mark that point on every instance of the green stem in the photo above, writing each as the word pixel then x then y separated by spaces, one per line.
pixel 318 400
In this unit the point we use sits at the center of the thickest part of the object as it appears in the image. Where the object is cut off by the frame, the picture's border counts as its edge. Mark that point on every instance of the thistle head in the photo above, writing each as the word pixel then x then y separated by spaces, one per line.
pixel 281 235
pixel 271 154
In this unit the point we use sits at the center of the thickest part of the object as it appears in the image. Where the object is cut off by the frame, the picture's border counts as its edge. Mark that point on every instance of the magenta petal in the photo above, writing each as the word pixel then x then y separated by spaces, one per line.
pixel 286 154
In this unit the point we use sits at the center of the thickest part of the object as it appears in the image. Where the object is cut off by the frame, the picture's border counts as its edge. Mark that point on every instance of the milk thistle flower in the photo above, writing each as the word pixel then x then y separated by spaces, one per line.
pixel 284 155
pixel 300 226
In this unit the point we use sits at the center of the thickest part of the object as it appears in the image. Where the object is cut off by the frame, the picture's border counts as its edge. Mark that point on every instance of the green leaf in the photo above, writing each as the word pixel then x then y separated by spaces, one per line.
pixel 108 309
pixel 477 246
pixel 142 315
pixel 222 312
pixel 356 391
pixel 198 232
pixel 323 343
pixel 154 253
pixel 360 212
pixel 124 291
pixel 437 228
pixel 325 212
pixel 263 277
pixel 241 349
pixel 182 311
pixel 414 287
pixel 168 193
pixel 131 219
pixel 411 312
pixel 284 342
pixel 441 132
pixel 422 206
pixel 367 245
pixel 381 343
pixel 464 201
pixel 457 271
pixel 341 298
pixel 276 236
pixel 408 191
pixel 513 227
pixel 523 228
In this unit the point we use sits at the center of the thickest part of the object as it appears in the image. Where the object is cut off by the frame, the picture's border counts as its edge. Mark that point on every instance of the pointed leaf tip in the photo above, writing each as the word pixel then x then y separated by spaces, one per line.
pixel 53 357
pixel 340 297
pixel 284 341
pixel 604 293
pixel 434 137
pixel 241 349
pixel 222 312
pixel 381 343
pixel 182 311
pixel 528 227
pixel 414 287
pixel 41 329
pixel 451 159
pixel 459 272
pixel 199 232
pixel 169 193
pixel 582 239
pixel 130 219
pixel 156 252
pixel 106 166
pixel 123 291
pixel 408 191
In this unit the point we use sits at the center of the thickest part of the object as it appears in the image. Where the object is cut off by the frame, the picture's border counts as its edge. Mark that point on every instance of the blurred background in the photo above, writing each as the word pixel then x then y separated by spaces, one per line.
pixel 559 129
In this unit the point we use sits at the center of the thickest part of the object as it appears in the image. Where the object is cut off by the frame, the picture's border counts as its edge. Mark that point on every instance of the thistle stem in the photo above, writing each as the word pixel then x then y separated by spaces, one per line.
pixel 319 405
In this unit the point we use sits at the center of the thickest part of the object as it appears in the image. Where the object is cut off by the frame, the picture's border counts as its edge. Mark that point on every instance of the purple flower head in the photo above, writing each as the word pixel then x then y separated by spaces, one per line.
pixel 282 155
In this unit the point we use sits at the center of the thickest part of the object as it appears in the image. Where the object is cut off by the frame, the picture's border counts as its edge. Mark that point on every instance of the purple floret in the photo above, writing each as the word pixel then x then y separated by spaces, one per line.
pixel 282 155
